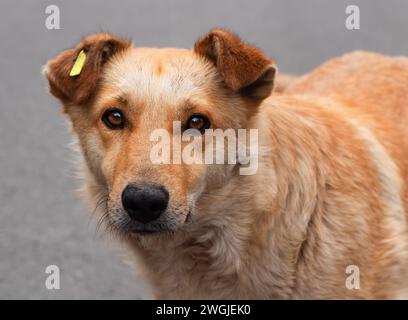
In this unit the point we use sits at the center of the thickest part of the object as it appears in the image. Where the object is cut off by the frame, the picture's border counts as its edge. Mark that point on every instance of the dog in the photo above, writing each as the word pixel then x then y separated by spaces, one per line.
pixel 323 217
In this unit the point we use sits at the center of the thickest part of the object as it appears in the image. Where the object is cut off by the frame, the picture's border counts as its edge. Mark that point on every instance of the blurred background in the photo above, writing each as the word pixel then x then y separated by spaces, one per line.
pixel 41 220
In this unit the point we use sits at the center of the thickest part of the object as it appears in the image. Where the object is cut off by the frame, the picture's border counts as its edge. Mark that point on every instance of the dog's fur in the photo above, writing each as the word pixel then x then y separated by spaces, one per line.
pixel 331 188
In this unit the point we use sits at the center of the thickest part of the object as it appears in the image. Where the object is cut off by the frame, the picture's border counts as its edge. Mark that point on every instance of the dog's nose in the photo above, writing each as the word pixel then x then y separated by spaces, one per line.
pixel 145 202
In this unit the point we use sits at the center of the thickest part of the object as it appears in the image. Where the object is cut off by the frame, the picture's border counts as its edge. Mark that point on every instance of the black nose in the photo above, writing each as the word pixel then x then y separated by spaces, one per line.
pixel 144 202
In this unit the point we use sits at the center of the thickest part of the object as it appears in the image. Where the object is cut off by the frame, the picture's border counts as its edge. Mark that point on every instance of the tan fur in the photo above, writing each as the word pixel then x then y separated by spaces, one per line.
pixel 331 188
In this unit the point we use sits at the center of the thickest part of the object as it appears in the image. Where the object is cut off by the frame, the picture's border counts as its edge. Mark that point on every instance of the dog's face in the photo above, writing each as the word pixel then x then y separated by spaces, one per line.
pixel 124 98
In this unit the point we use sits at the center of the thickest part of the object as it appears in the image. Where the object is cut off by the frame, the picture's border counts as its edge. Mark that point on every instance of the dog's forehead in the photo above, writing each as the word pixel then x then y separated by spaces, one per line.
pixel 159 71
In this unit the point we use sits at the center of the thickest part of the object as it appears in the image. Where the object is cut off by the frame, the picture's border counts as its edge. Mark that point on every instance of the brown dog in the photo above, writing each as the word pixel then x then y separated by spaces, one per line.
pixel 324 216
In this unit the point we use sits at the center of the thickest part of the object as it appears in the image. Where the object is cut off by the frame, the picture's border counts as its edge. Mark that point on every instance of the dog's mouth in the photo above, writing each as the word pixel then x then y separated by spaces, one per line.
pixel 161 227
pixel 146 232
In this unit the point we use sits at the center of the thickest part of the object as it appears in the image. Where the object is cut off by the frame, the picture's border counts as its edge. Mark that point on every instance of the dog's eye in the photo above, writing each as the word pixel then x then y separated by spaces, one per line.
pixel 198 122
pixel 113 119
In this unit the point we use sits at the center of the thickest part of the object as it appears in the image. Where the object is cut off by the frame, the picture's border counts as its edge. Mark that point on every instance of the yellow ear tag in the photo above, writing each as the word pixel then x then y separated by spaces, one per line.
pixel 79 64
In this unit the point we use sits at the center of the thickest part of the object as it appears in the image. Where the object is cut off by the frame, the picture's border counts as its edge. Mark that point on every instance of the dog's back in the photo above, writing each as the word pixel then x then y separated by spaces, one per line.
pixel 374 83
pixel 373 86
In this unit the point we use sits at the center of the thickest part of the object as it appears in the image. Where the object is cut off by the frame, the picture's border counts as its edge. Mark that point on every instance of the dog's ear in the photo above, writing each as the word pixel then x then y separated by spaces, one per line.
pixel 244 68
pixel 94 51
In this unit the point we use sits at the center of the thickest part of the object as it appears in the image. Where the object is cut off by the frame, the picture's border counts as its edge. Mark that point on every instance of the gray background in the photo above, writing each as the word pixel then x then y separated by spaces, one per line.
pixel 41 221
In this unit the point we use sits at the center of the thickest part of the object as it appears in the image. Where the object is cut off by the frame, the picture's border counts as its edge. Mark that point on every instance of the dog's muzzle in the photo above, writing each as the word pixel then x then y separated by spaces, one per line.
pixel 144 202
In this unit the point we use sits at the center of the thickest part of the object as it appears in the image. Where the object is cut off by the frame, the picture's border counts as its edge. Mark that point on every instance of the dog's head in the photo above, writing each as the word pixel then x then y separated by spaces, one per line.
pixel 123 101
